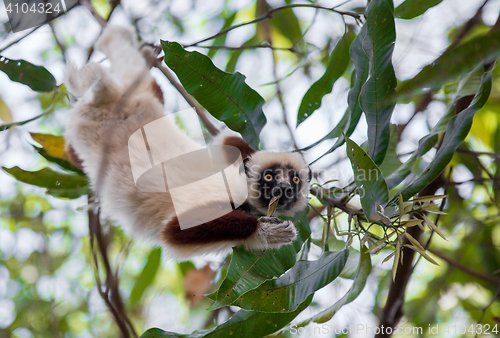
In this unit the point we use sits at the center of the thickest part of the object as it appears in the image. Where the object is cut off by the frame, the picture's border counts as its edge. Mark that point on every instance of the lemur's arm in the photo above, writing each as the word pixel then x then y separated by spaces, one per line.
pixel 236 227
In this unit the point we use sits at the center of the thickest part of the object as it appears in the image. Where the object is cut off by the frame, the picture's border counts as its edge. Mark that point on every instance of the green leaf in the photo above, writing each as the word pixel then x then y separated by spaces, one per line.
pixel 146 277
pixel 402 172
pixel 249 269
pixel 63 163
pixel 226 96
pixel 452 63
pixel 347 125
pixel 54 150
pixel 54 145
pixel 379 45
pixel 363 271
pixel 352 115
pixel 286 293
pixel 5 115
pixel 48 178
pixel 361 71
pixel 369 179
pixel 69 193
pixel 457 131
pixel 339 60
pixel 426 143
pixel 242 324
pixel 391 161
pixel 412 8
pixel 36 77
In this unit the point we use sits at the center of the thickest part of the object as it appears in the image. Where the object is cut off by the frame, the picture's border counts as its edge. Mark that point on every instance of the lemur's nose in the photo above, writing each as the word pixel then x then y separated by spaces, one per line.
pixel 284 190
pixel 287 191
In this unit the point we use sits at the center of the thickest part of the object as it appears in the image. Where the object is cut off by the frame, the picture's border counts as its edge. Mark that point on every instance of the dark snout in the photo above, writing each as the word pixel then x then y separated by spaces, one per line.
pixel 286 194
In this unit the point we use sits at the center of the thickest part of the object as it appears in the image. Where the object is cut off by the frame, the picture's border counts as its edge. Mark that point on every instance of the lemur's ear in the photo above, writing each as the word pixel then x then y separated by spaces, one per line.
pixel 245 161
pixel 239 143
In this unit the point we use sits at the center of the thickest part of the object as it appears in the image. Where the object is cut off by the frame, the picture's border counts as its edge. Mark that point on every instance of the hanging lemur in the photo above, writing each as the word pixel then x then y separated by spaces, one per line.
pixel 150 215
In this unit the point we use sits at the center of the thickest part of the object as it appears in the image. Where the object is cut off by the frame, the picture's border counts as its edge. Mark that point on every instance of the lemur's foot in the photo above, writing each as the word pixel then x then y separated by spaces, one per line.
pixel 150 53
pixel 276 232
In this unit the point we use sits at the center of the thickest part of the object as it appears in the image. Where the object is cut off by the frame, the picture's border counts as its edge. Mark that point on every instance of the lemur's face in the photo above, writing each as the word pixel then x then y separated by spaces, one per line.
pixel 283 175
pixel 279 181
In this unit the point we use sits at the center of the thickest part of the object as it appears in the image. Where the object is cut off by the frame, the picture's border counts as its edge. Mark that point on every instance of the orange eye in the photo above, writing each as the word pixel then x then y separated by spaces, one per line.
pixel 296 180
pixel 268 178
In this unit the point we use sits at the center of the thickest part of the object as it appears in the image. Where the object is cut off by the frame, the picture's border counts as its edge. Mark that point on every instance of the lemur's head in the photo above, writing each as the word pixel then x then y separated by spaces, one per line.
pixel 277 174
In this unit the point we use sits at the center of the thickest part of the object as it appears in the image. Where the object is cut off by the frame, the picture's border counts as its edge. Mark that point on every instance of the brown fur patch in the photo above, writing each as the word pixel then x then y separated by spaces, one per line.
pixel 239 143
pixel 232 226
pixel 156 90
pixel 73 157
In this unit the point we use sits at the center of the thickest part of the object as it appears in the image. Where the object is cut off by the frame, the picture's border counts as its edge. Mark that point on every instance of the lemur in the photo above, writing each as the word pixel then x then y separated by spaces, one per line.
pixel 151 215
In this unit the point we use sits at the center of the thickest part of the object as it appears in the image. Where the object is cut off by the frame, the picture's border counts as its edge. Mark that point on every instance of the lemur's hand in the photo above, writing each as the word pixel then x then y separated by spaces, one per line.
pixel 276 232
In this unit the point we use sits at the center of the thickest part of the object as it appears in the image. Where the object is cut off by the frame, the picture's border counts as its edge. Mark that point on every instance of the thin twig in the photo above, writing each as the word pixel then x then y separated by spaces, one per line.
pixel 111 295
pixel 288 49
pixel 16 41
pixel 269 15
pixel 334 203
pixel 189 99
pixel 476 18
pixel 478 179
pixel 59 43
pixel 478 153
pixel 441 208
pixel 493 299
pixel 100 19
pixel 266 28
pixel 48 111
pixel 114 4
pixel 466 269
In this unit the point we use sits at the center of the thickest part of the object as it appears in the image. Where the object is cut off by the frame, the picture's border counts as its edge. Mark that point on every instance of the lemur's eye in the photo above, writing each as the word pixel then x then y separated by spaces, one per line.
pixel 268 177
pixel 296 180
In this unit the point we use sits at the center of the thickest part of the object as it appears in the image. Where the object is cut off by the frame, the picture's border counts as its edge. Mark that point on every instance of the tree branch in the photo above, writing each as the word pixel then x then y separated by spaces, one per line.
pixel 16 41
pixel 487 278
pixel 478 153
pixel 289 49
pixel 114 4
pixel 189 99
pixel 111 294
pixel 59 43
pixel 269 15
pixel 393 309
pixel 334 203
pixel 100 19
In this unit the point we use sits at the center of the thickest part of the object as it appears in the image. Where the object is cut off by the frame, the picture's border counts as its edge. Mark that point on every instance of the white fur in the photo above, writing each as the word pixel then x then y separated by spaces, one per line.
pixel 143 214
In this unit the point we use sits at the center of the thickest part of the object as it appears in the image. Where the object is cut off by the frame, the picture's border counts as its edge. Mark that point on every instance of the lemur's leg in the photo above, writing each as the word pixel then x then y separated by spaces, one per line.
pixel 120 45
pixel 106 97
pixel 92 77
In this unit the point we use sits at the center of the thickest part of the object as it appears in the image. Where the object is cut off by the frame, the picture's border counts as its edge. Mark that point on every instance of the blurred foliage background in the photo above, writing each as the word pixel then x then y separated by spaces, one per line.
pixel 436 59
